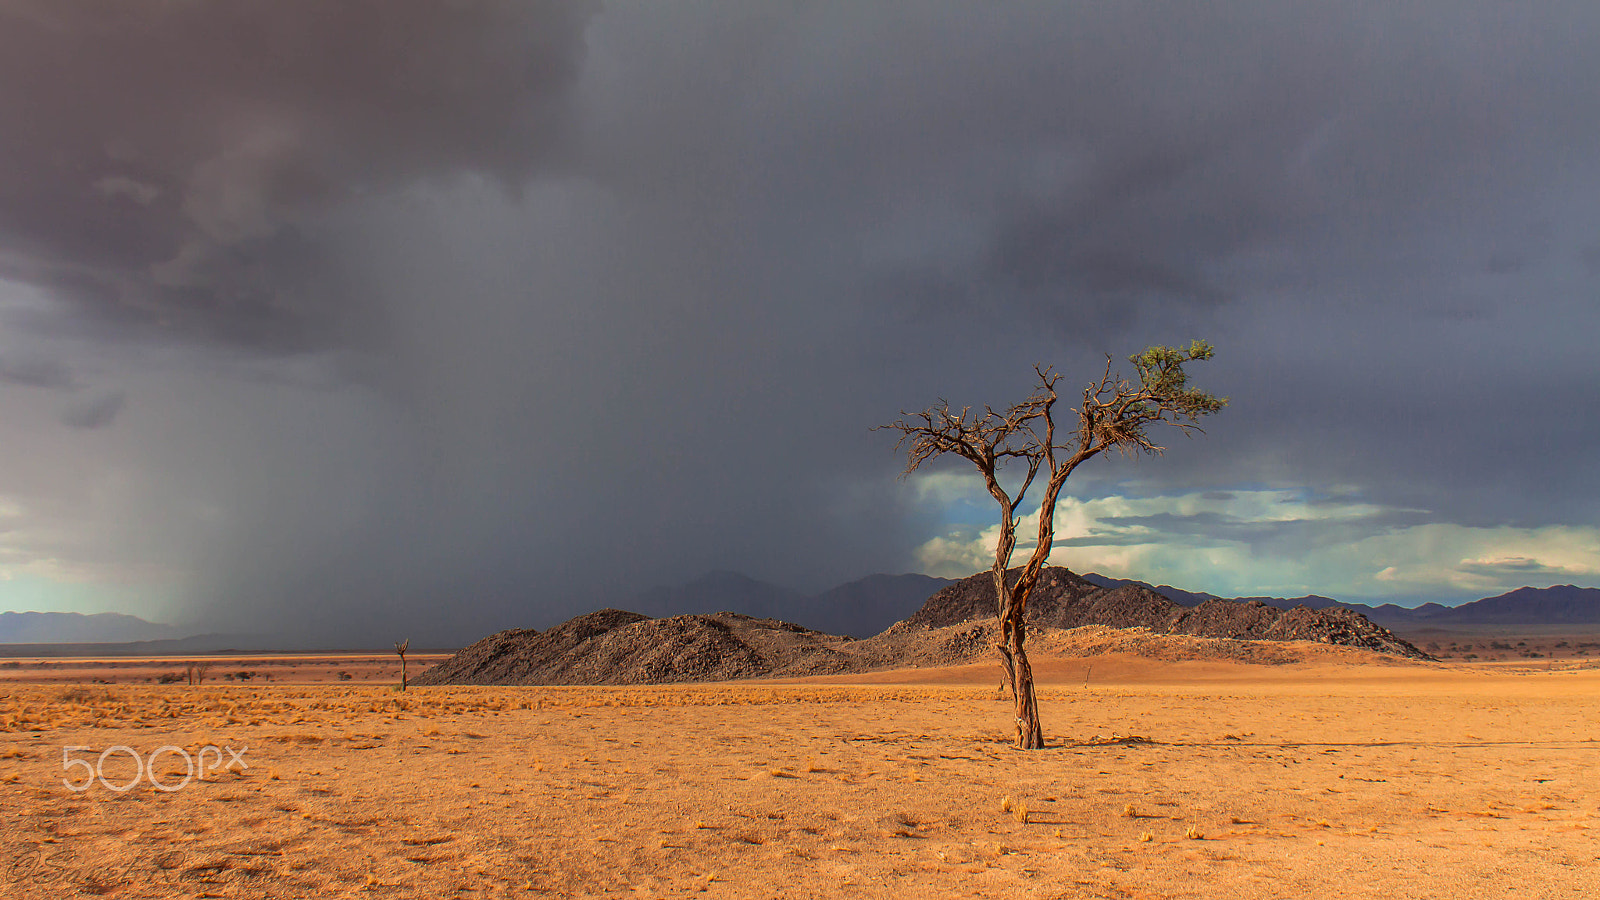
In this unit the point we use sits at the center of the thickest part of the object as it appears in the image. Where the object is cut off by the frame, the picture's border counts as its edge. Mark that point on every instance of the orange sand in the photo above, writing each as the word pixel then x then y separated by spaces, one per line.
pixel 1326 778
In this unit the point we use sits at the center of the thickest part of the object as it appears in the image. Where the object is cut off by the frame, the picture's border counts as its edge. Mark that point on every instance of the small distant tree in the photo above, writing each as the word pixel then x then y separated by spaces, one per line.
pixel 1115 414
pixel 401 647
pixel 196 672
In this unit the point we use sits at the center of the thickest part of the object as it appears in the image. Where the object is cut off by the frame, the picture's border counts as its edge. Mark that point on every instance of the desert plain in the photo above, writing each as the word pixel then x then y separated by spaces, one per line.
pixel 1172 771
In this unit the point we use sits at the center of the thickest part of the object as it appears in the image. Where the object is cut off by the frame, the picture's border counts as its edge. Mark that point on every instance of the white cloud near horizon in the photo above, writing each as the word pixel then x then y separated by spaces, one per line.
pixel 1270 542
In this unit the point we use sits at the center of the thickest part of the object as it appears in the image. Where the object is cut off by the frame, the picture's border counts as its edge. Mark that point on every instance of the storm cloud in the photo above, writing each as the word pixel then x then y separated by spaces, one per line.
pixel 448 317
pixel 168 164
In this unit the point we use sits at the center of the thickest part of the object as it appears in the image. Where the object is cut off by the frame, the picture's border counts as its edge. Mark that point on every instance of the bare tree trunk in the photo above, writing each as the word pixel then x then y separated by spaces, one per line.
pixel 1008 668
pixel 1013 633
pixel 1003 643
pixel 1030 733
pixel 1002 593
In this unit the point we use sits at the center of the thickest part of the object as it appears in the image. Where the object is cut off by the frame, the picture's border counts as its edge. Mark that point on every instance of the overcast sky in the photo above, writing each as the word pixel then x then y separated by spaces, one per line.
pixel 375 316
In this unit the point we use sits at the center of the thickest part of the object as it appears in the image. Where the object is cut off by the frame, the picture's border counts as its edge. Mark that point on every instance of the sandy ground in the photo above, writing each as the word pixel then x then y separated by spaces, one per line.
pixel 1331 777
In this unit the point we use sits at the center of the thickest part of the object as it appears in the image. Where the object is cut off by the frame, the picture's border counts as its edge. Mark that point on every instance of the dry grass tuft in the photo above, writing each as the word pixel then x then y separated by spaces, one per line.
pixel 899 825
pixel 85 696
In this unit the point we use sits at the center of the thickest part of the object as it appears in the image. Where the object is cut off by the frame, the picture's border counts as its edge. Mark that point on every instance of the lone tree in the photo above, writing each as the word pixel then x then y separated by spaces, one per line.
pixel 1115 415
pixel 401 647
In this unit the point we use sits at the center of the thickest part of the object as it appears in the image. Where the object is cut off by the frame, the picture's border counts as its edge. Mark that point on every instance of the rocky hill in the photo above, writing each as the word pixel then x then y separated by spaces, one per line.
pixel 954 626
pixel 1062 599
pixel 860 608
pixel 1176 595
pixel 613 646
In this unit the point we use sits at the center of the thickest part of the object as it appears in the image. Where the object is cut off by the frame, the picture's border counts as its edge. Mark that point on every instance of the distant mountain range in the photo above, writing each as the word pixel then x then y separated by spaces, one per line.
pixel 193 644
pixel 869 605
pixel 1562 604
pixel 60 627
pixel 860 608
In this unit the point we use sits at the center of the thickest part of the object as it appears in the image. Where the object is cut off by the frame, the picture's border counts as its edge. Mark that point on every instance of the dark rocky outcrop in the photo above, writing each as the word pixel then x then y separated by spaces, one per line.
pixel 1061 599
pixel 615 647
pixel 1335 625
pixel 862 607
pixel 1055 598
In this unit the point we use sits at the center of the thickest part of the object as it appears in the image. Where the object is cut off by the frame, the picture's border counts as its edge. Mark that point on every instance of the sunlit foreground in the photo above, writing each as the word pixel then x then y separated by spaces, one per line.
pixel 1163 779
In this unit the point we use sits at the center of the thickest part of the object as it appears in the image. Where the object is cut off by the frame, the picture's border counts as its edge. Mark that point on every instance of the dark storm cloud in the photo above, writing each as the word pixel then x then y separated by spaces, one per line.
pixel 1591 260
pixel 94 412
pixel 166 164
pixel 1173 141
pixel 1373 211
pixel 40 373
pixel 546 304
